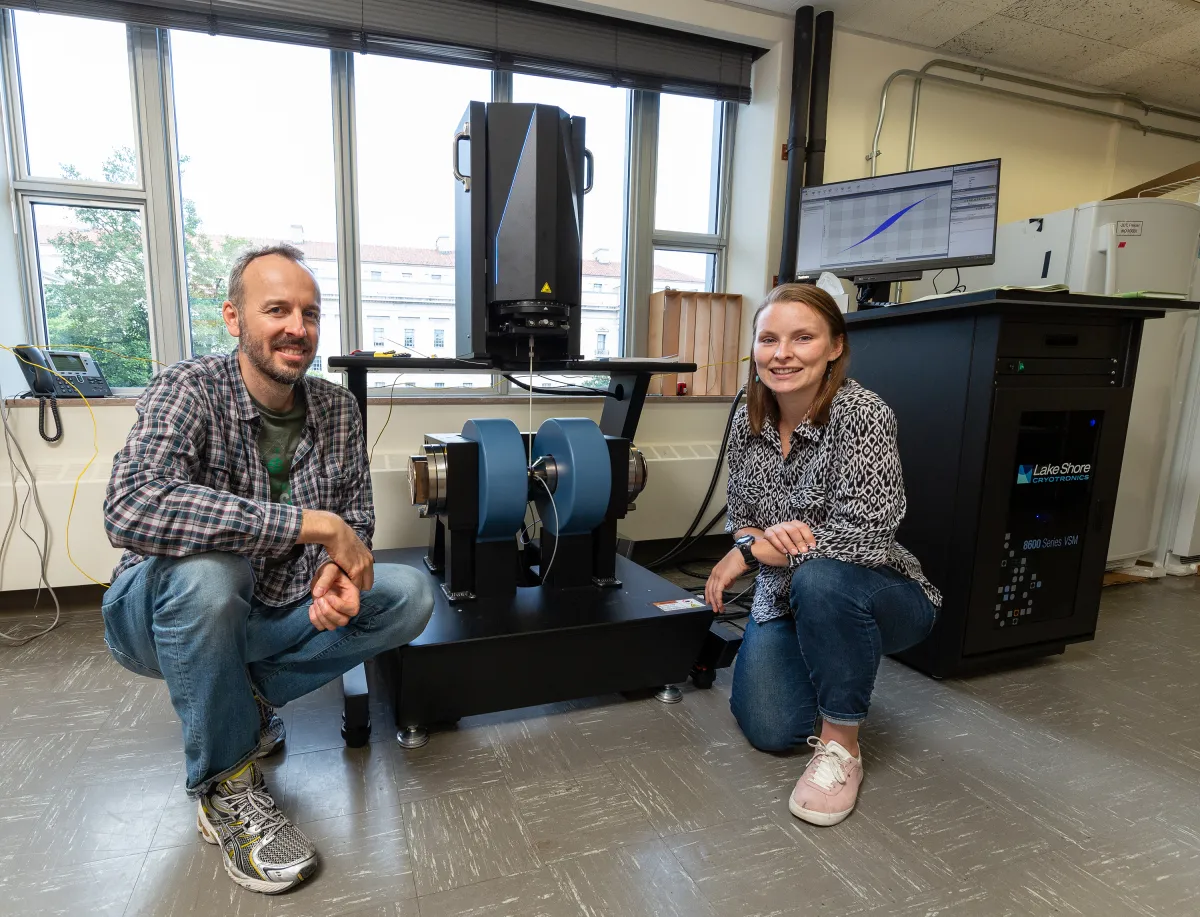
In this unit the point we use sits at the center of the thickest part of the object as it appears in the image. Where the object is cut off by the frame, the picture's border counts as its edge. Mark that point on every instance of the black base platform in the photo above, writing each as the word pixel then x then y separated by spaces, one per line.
pixel 487 655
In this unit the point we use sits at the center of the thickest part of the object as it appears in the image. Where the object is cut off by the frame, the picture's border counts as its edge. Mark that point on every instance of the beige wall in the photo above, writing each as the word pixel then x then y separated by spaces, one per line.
pixel 1052 160
pixel 681 441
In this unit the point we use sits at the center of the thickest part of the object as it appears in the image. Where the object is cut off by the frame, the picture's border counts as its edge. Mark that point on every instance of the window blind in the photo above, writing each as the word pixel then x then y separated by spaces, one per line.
pixel 518 35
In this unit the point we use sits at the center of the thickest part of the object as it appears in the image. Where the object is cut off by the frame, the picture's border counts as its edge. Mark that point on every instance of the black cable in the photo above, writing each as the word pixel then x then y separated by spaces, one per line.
pixel 687 541
pixel 959 286
pixel 683 542
pixel 565 390
pixel 58 430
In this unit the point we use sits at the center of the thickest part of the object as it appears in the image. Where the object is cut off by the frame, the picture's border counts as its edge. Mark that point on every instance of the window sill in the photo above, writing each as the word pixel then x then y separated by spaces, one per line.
pixel 373 400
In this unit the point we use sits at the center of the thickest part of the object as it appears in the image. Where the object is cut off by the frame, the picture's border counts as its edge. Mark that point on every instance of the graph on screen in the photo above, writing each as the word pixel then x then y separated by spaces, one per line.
pixel 907 224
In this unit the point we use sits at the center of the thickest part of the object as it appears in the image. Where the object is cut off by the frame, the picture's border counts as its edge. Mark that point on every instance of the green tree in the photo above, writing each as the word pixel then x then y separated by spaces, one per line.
pixel 96 295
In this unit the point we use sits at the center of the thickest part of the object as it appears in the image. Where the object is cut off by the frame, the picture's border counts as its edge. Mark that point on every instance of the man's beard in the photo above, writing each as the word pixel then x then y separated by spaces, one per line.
pixel 260 352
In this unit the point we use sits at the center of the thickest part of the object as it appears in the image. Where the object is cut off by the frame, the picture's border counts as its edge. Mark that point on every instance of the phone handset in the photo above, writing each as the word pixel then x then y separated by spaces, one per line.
pixel 41 381
pixel 36 366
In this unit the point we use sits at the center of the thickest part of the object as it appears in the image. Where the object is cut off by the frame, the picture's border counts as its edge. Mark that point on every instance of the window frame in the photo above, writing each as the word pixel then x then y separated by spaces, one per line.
pixel 157 198
pixel 154 195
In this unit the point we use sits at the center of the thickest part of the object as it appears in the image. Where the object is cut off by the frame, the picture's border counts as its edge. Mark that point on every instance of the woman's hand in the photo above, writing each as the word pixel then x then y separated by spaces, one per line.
pixel 731 566
pixel 790 537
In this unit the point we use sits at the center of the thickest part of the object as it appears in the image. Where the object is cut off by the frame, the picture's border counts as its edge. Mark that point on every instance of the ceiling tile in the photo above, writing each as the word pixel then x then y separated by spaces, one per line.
pixel 1129 23
pixel 886 18
pixel 1115 71
pixel 1027 45
pixel 943 22
pixel 992 6
pixel 1052 13
pixel 1181 44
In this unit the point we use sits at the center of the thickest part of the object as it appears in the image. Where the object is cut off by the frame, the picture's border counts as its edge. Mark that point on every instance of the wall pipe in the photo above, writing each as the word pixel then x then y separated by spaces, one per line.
pixel 802 55
pixel 818 114
pixel 919 76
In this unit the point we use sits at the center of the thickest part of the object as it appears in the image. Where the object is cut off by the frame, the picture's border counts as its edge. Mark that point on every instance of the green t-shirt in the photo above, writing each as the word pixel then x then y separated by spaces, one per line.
pixel 278 438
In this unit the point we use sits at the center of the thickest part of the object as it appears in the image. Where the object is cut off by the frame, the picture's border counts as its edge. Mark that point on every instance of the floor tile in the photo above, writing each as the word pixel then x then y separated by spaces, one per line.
pixel 634 881
pixel 528 894
pixel 677 792
pixel 19 819
pixel 73 711
pixel 39 764
pixel 966 832
pixel 340 781
pixel 587 813
pixel 634 727
pixel 448 764
pixel 365 866
pixel 126 754
pixel 191 882
pixel 100 889
pixel 538 747
pixel 753 868
pixel 92 822
pixel 462 838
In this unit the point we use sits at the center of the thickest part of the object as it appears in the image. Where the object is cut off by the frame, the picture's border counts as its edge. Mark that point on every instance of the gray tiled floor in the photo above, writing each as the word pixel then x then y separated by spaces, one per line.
pixel 1069 786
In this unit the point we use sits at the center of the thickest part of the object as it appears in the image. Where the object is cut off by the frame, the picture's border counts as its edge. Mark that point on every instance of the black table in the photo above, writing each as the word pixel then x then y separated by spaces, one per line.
pixel 527 653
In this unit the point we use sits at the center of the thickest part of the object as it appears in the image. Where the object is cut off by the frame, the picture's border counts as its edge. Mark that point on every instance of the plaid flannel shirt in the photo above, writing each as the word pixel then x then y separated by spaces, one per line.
pixel 190 478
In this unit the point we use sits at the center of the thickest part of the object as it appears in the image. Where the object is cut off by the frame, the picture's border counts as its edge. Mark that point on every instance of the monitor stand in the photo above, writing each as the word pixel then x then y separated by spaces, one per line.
pixel 875 290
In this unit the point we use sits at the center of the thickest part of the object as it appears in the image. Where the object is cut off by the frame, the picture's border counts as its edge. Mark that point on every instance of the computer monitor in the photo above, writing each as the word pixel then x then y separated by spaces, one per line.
pixel 893 227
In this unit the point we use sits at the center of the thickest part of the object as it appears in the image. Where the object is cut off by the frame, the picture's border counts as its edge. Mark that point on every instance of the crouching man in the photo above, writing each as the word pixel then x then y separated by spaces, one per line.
pixel 243 498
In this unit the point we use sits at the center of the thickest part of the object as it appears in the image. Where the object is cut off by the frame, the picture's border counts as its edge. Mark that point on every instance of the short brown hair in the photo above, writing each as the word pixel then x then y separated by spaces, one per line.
pixel 283 249
pixel 760 400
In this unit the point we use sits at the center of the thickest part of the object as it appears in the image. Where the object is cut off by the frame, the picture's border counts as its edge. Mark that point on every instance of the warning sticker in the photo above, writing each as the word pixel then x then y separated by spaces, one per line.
pixel 546 286
pixel 1129 227
pixel 678 605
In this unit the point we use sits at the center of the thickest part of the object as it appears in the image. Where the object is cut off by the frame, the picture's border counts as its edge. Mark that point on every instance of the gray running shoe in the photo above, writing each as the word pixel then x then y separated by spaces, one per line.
pixel 264 852
pixel 270 729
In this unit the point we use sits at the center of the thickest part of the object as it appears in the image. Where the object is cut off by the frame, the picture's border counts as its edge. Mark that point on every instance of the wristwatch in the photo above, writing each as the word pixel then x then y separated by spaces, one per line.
pixel 744 544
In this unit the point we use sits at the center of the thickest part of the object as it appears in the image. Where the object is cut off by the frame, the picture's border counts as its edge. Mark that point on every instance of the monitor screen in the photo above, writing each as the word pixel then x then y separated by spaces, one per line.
pixel 67 362
pixel 913 221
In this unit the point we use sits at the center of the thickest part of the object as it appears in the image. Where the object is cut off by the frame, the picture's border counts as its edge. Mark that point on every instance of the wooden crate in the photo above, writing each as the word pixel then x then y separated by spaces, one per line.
pixel 700 328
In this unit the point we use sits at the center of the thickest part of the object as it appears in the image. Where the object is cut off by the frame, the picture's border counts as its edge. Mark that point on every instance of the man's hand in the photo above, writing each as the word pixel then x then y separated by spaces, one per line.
pixel 731 566
pixel 790 537
pixel 343 544
pixel 335 598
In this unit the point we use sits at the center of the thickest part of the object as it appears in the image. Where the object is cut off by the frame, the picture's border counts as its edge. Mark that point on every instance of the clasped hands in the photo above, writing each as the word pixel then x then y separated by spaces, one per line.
pixel 338 583
pixel 775 546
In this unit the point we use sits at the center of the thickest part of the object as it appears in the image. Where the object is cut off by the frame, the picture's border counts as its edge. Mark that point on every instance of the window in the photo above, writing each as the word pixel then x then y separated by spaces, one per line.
pixel 606 110
pixel 439 385
pixel 77 125
pixel 259 189
pixel 405 189
pixel 468 385
pixel 689 238
pixel 93 286
pixel 132 200
pixel 689 156
pixel 683 270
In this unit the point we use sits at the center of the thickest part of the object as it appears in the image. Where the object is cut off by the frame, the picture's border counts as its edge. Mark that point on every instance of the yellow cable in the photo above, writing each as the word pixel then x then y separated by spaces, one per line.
pixel 117 353
pixel 95 455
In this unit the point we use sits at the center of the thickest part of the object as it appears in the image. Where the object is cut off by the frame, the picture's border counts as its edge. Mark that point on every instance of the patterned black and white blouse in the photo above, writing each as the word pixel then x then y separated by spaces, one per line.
pixel 843 480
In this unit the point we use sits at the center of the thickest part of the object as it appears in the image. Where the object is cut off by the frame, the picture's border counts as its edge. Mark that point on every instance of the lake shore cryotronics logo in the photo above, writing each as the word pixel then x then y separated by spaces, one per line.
pixel 1053 474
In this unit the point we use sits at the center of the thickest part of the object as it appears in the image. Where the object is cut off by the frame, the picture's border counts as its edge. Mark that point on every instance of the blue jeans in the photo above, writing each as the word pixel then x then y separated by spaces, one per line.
pixel 194 621
pixel 822 658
